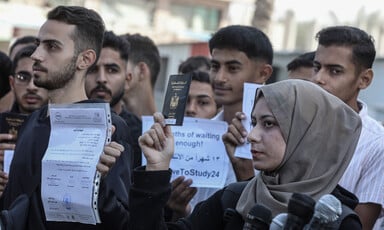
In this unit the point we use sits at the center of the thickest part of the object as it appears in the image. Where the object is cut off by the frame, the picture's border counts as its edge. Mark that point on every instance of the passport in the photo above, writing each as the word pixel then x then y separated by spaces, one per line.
pixel 11 123
pixel 175 98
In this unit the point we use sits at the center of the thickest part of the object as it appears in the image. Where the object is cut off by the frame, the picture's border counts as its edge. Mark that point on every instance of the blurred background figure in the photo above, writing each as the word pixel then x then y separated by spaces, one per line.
pixel 6 98
pixel 301 67
pixel 143 68
pixel 194 63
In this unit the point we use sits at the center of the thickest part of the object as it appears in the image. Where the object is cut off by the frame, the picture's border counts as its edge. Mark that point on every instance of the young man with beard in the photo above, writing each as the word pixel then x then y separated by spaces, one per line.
pixel 68 44
pixel 106 81
pixel 28 97
pixel 343 66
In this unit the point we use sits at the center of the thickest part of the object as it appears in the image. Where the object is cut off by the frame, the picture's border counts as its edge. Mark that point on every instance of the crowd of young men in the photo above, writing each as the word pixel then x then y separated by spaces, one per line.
pixel 74 60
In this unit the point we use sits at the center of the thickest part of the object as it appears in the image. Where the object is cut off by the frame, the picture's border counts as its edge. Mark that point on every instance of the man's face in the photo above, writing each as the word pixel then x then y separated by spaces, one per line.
pixel 106 80
pixel 28 96
pixel 201 102
pixel 55 58
pixel 229 70
pixel 336 73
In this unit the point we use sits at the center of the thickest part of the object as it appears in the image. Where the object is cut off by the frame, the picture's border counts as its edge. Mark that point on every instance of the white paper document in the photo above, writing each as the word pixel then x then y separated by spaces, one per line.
pixel 199 151
pixel 244 151
pixel 69 180
pixel 8 156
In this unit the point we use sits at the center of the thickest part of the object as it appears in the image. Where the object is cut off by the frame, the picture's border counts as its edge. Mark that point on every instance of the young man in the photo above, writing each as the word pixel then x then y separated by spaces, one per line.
pixel 143 68
pixel 239 54
pixel 7 100
pixel 106 81
pixel 343 67
pixel 68 44
pixel 200 102
pixel 28 97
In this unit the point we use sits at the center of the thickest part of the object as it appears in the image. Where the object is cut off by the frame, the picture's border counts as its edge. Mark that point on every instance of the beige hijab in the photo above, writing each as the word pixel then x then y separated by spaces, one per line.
pixel 321 133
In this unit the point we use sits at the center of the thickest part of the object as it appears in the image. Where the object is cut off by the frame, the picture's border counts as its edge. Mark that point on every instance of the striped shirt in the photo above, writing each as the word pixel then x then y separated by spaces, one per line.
pixel 364 175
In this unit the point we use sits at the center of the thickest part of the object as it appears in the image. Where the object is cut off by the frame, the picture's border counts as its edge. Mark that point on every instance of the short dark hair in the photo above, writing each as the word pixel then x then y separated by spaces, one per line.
pixel 250 40
pixel 363 48
pixel 28 39
pixel 194 63
pixel 25 52
pixel 200 76
pixel 303 60
pixel 143 49
pixel 5 71
pixel 121 45
pixel 89 26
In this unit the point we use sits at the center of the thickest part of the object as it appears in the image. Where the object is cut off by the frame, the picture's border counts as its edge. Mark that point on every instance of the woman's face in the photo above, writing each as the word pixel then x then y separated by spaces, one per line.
pixel 267 142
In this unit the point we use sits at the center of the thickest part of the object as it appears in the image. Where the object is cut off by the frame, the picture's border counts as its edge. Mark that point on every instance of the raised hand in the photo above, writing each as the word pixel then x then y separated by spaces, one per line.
pixel 108 158
pixel 157 144
pixel 235 136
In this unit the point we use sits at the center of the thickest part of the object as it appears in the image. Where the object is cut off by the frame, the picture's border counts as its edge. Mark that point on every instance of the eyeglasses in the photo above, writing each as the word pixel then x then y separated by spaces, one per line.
pixel 23 78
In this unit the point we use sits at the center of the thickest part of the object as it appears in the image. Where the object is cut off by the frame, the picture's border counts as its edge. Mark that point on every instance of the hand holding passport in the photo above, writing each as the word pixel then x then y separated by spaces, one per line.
pixel 176 99
pixel 10 123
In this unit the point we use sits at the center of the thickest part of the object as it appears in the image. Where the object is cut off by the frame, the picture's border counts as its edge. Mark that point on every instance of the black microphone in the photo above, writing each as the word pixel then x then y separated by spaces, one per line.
pixel 278 222
pixel 300 211
pixel 327 210
pixel 258 218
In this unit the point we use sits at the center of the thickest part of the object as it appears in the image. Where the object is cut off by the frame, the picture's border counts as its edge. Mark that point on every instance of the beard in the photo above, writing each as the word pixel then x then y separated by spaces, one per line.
pixel 58 79
pixel 117 97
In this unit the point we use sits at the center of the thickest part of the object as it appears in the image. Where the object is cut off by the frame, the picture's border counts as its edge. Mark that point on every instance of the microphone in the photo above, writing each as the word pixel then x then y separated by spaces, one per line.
pixel 278 222
pixel 258 218
pixel 300 211
pixel 327 210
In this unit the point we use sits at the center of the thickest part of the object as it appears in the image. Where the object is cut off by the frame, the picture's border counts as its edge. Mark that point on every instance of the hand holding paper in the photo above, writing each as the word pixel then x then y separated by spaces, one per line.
pixel 235 137
pixel 109 157
pixel 157 144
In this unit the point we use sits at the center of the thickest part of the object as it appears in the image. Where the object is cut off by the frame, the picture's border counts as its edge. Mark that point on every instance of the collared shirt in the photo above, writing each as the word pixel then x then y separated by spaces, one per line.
pixel 364 175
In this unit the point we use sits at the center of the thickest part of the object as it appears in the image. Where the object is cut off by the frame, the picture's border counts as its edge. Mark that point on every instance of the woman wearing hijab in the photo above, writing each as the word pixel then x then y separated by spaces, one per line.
pixel 301 142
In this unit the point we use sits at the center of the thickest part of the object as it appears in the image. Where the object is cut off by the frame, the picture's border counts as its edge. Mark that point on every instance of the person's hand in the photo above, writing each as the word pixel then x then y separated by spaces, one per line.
pixel 6 143
pixel 4 138
pixel 109 156
pixel 3 181
pixel 157 144
pixel 180 197
pixel 235 136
